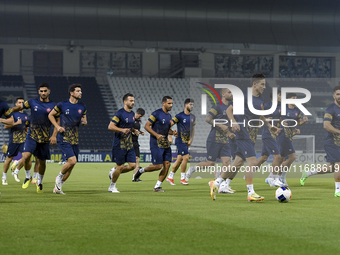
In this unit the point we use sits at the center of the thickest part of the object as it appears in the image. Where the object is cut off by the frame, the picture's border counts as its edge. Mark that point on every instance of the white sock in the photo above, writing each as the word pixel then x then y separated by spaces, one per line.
pixel 40 178
pixel 141 170
pixel 337 187
pixel 312 172
pixel 217 174
pixel 35 175
pixel 4 176
pixel 250 189
pixel 283 175
pixel 171 175
pixel 275 176
pixel 271 175
pixel 60 175
pixel 113 185
pixel 16 171
pixel 182 176
pixel 218 181
pixel 16 162
pixel 158 184
pixel 28 173
pixel 228 181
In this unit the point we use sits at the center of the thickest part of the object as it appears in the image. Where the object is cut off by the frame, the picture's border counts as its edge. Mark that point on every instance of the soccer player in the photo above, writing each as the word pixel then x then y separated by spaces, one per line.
pixel 72 113
pixel 136 126
pixel 17 138
pixel 270 145
pixel 285 137
pixel 159 126
pixel 38 138
pixel 331 123
pixel 218 145
pixel 122 148
pixel 246 137
pixel 186 122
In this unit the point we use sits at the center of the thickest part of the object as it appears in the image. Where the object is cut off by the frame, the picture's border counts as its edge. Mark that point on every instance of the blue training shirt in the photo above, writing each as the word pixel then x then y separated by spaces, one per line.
pixel 123 119
pixel 185 124
pixel 332 114
pixel 18 132
pixel 70 119
pixel 160 123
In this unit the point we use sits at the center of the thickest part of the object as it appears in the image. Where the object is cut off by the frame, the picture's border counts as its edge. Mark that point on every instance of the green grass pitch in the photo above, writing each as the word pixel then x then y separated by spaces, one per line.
pixel 183 220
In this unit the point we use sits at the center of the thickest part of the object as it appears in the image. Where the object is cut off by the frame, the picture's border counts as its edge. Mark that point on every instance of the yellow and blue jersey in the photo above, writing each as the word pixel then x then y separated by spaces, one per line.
pixel 332 114
pixel 185 124
pixel 216 134
pixel 266 133
pixel 70 119
pixel 40 125
pixel 160 123
pixel 249 132
pixel 123 119
pixel 291 114
pixel 18 132
pixel 4 109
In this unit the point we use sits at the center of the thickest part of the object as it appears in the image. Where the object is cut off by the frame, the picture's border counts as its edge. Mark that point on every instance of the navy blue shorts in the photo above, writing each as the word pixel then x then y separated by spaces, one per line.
pixel 269 147
pixel 245 149
pixel 40 150
pixel 69 150
pixel 333 152
pixel 285 146
pixel 14 149
pixel 217 150
pixel 123 156
pixel 233 147
pixel 182 149
pixel 159 155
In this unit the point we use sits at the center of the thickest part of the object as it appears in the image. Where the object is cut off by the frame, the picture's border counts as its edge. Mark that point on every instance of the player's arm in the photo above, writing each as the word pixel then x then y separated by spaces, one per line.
pixel 19 107
pixel 83 120
pixel 302 121
pixel 191 136
pixel 148 128
pixel 269 126
pixel 53 138
pixel 170 139
pixel 113 127
pixel 9 121
pixel 12 124
pixel 234 126
pixel 52 117
pixel 329 127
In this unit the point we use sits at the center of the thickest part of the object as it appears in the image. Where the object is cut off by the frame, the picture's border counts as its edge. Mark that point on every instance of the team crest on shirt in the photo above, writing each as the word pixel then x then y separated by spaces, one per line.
pixel 80 111
pixel 67 111
pixel 48 109
pixel 127 120
pixel 25 118
pixel 35 108
pixel 163 121
pixel 296 114
pixel 184 121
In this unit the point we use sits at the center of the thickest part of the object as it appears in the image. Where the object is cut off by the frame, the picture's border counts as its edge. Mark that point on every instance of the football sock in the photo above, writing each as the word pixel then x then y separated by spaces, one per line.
pixel 158 184
pixel 40 178
pixel 271 175
pixel 182 176
pixel 337 187
pixel 113 185
pixel 218 181
pixel 312 172
pixel 35 175
pixel 283 175
pixel 4 176
pixel 228 181
pixel 62 183
pixel 141 170
pixel 250 189
pixel 275 177
pixel 28 173
pixel 171 175
pixel 60 175
pixel 16 171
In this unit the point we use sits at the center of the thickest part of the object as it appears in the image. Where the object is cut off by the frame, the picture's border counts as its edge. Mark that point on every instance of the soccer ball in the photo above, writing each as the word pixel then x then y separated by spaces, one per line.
pixel 283 194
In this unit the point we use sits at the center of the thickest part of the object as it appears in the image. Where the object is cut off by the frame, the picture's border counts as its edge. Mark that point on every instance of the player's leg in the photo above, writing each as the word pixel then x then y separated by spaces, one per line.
pixel 166 156
pixel 35 173
pixel 184 168
pixel 5 169
pixel 42 169
pixel 337 179
pixel 212 154
pixel 306 172
pixel 137 151
pixel 157 162
pixel 175 166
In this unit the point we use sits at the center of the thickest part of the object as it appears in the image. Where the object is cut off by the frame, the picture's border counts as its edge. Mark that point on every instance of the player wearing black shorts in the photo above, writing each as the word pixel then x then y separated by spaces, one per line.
pixel 136 126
